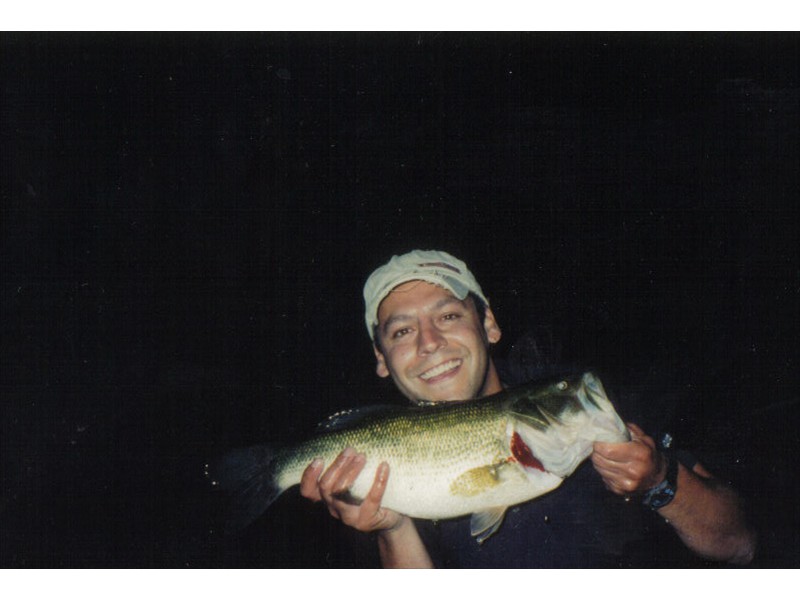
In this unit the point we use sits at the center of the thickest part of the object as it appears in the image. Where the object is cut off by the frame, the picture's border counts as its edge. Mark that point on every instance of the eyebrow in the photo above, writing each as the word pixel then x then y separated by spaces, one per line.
pixel 437 306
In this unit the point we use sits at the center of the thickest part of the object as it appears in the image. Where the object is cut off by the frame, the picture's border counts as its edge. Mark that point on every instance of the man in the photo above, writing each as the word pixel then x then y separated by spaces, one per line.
pixel 432 327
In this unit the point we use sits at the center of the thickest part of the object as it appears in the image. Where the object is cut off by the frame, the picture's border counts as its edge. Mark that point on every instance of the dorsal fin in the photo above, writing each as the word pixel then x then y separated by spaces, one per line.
pixel 353 416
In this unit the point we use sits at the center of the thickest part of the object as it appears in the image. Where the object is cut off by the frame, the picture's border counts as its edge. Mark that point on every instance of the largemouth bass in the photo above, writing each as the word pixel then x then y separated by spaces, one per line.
pixel 474 457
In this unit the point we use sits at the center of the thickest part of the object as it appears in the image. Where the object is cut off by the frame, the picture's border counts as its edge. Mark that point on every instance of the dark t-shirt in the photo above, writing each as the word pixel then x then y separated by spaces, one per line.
pixel 579 524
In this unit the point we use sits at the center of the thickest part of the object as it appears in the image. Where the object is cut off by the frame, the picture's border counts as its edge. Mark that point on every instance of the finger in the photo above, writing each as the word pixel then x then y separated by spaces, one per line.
pixel 620 488
pixel 608 469
pixel 616 479
pixel 638 449
pixel 636 430
pixel 638 435
pixel 636 460
pixel 330 477
pixel 348 474
pixel 610 451
pixel 309 487
pixel 637 474
pixel 374 515
pixel 625 475
pixel 602 463
pixel 374 497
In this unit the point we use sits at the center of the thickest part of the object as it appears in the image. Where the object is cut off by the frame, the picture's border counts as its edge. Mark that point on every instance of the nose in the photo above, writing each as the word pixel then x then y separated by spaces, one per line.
pixel 430 339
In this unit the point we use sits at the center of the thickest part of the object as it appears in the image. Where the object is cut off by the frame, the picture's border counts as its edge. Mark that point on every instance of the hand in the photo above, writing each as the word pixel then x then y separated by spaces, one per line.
pixel 332 488
pixel 630 467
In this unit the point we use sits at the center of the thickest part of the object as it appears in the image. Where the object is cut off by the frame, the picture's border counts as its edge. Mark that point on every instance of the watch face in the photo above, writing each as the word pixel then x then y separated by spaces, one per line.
pixel 661 498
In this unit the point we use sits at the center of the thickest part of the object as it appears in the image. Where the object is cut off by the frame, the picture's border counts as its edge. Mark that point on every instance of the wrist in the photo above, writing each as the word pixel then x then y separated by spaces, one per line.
pixel 661 494
pixel 397 527
pixel 661 471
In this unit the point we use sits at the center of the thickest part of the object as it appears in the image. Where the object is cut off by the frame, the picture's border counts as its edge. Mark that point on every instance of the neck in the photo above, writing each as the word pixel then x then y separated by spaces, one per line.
pixel 491 383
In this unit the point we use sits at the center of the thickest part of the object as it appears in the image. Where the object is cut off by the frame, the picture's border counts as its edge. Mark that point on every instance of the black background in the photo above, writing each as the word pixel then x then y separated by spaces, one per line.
pixel 188 219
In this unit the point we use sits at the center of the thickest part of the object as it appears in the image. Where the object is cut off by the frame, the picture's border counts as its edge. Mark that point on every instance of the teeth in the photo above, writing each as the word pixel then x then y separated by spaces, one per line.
pixel 451 364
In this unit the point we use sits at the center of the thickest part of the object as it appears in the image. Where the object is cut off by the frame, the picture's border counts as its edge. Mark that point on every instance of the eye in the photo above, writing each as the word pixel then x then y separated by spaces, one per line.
pixel 400 333
pixel 451 316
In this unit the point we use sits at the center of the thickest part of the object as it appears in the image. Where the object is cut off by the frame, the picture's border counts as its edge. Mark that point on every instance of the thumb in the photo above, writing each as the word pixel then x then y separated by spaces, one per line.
pixel 636 431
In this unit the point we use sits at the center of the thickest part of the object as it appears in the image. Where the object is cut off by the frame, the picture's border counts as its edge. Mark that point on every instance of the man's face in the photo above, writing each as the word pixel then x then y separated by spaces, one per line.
pixel 434 345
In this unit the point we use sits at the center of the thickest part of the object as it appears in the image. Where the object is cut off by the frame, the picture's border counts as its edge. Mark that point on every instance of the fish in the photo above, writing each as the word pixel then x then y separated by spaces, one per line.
pixel 475 457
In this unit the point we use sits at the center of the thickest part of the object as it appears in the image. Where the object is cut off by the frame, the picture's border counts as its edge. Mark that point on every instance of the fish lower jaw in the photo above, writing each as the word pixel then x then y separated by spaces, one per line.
pixel 440 369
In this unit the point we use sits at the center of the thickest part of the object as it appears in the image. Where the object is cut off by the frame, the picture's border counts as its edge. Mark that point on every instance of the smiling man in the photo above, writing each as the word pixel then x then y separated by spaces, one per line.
pixel 431 328
pixel 433 344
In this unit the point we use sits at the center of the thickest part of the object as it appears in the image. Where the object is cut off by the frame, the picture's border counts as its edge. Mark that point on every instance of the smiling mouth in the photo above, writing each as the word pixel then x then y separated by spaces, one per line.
pixel 440 369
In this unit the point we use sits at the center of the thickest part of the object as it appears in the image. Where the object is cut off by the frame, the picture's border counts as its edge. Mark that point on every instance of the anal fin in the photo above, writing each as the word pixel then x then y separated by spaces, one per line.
pixel 484 524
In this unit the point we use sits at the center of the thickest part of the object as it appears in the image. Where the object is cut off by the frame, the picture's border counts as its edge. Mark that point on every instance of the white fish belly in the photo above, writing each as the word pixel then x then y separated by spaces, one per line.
pixel 434 494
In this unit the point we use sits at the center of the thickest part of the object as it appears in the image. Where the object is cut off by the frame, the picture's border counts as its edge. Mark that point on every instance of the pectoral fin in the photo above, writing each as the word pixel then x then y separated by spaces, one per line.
pixel 484 524
pixel 475 481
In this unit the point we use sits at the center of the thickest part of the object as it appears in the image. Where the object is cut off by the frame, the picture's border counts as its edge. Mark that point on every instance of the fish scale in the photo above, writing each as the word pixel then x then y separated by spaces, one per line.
pixel 473 457
pixel 419 447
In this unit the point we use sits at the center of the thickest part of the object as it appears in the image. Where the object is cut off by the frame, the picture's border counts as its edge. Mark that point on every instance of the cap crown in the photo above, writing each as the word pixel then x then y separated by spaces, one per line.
pixel 433 266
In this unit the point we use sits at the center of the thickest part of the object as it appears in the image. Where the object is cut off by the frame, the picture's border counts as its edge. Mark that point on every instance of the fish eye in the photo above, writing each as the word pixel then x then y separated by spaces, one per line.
pixel 562 385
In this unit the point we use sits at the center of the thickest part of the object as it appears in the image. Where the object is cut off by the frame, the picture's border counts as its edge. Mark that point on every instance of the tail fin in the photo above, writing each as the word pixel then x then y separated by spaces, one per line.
pixel 247 474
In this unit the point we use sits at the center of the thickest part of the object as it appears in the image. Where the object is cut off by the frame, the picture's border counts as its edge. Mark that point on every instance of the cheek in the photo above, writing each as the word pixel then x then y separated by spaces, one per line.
pixel 469 338
pixel 397 358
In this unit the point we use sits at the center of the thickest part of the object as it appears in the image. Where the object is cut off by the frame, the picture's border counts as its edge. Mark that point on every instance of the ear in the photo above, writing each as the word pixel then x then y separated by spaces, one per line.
pixel 381 369
pixel 490 326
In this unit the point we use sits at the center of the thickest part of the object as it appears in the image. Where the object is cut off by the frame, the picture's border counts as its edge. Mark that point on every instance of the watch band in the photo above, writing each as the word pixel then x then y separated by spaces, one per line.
pixel 662 494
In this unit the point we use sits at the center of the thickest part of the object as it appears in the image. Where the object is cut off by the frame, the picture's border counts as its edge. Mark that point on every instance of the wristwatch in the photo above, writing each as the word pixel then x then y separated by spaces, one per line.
pixel 662 494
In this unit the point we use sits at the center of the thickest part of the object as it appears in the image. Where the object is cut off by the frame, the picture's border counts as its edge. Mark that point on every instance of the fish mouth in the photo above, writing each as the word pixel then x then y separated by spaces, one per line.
pixel 441 369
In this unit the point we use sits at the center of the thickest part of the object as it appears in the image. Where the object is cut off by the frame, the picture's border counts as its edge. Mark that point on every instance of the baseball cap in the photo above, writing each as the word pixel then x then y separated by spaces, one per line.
pixel 433 266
